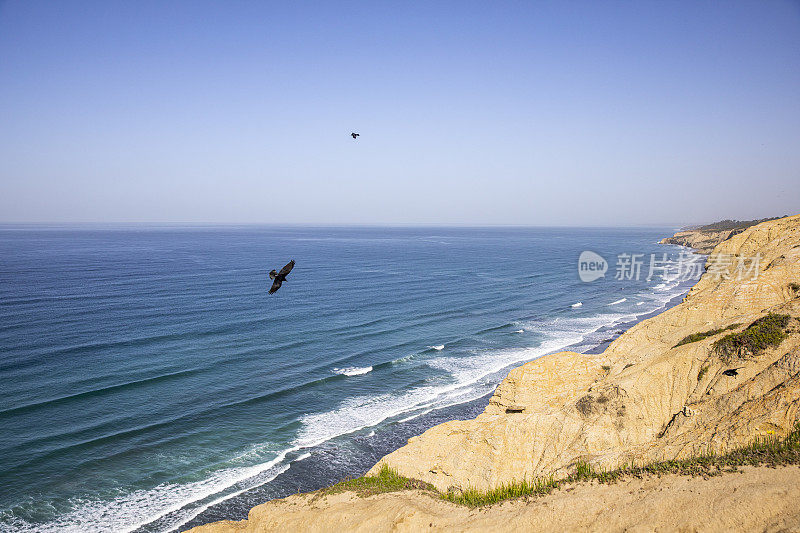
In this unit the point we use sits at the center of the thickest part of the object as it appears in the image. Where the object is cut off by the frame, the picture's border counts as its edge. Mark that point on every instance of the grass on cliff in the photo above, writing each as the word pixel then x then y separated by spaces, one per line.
pixel 694 337
pixel 771 451
pixel 767 331
pixel 387 480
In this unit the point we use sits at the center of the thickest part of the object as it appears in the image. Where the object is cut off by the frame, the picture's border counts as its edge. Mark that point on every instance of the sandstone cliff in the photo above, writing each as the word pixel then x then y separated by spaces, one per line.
pixel 654 402
pixel 645 398
pixel 704 238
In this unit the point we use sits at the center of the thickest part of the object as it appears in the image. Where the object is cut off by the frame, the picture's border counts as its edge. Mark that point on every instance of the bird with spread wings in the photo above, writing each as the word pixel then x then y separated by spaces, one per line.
pixel 279 277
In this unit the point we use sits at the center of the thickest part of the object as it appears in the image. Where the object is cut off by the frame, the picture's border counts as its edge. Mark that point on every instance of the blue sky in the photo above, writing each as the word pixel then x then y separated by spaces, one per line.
pixel 533 113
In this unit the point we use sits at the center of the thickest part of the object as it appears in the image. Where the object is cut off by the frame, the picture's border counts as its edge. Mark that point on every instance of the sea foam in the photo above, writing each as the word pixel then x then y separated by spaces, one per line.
pixel 352 371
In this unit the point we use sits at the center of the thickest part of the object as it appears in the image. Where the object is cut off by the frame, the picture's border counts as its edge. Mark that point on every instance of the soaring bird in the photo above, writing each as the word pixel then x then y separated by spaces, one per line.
pixel 280 277
pixel 354 135
pixel 732 372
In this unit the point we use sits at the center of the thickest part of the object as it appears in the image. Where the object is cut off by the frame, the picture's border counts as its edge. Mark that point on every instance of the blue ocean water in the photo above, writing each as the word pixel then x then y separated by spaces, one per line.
pixel 150 383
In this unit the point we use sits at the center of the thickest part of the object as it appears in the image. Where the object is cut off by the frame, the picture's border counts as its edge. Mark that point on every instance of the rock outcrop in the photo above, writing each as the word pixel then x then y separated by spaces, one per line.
pixel 702 241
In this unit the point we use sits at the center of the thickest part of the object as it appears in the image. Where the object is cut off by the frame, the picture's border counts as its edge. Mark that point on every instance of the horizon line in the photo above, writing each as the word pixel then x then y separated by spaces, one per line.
pixel 141 224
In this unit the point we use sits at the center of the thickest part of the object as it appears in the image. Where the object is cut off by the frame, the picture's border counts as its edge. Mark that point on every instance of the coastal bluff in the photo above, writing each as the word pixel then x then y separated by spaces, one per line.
pixel 702 242
pixel 663 390
pixel 644 398
pixel 703 239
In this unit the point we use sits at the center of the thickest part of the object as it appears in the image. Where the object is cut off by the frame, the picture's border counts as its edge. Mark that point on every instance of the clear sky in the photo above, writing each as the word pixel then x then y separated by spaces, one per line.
pixel 533 113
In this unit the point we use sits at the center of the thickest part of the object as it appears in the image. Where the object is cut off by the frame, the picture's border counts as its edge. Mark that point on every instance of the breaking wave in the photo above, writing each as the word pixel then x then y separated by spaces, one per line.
pixel 352 371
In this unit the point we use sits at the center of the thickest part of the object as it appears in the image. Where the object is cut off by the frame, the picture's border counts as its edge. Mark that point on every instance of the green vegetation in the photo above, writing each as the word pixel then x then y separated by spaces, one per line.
pixel 767 331
pixel 771 451
pixel 694 337
pixel 605 367
pixel 476 498
pixel 794 286
pixel 702 373
pixel 387 480
pixel 740 225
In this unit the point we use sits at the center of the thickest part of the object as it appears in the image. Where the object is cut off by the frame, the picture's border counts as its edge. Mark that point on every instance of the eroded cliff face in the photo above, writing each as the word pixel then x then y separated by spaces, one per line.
pixel 643 399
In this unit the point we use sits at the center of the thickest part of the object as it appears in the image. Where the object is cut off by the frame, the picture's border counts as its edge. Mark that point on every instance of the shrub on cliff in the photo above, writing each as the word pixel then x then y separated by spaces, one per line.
pixel 727 224
pixel 694 337
pixel 765 332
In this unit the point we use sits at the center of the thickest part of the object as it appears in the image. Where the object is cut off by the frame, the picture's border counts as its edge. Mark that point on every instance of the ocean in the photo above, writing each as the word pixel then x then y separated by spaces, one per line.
pixel 149 383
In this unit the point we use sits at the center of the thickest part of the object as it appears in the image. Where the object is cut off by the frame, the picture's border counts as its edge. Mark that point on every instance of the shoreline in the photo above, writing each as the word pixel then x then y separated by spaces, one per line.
pixel 648 397
pixel 297 472
pixel 439 445
pixel 476 341
pixel 316 458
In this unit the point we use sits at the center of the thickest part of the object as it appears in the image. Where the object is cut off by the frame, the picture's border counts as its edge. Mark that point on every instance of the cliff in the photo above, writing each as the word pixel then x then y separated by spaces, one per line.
pixel 654 402
pixel 654 394
pixel 703 242
pixel 704 238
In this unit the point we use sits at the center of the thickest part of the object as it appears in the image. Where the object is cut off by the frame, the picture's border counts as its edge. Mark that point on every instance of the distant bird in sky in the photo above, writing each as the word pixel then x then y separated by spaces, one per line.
pixel 354 135
pixel 280 277
pixel 732 371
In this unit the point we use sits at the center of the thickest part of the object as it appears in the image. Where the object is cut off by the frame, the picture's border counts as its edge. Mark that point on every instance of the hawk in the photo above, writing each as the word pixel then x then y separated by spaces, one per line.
pixel 279 277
